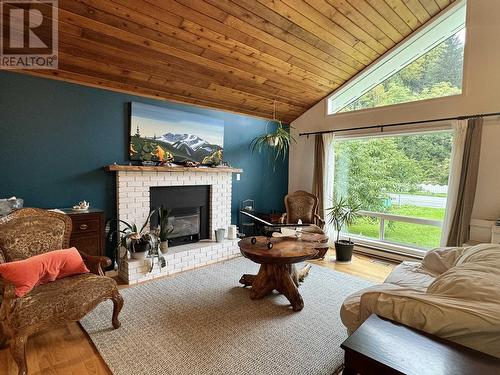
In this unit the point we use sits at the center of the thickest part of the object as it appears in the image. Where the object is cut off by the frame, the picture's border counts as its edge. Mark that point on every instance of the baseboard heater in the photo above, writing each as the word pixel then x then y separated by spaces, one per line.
pixel 390 255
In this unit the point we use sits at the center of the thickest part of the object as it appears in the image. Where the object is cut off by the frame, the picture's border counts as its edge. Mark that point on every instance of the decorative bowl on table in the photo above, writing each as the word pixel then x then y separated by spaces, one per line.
pixel 81 206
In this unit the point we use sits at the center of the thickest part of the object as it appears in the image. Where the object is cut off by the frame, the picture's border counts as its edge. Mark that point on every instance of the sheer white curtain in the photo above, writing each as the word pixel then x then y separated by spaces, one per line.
pixel 328 176
pixel 459 128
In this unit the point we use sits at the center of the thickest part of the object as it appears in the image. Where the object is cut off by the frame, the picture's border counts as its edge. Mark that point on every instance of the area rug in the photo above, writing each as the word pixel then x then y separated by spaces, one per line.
pixel 203 322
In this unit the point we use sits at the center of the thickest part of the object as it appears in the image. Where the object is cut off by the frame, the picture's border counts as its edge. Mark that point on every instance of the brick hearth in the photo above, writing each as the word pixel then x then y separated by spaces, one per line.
pixel 133 201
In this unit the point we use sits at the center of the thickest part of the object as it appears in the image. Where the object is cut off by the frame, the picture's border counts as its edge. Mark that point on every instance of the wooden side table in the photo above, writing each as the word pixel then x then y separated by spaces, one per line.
pixel 277 265
pixel 381 346
pixel 87 233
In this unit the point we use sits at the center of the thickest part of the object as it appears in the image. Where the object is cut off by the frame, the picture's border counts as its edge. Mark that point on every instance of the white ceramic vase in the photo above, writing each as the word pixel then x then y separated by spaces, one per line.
pixel 164 246
pixel 139 256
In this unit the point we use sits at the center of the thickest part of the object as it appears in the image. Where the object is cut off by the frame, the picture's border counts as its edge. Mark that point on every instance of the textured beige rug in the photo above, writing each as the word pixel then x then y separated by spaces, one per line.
pixel 203 322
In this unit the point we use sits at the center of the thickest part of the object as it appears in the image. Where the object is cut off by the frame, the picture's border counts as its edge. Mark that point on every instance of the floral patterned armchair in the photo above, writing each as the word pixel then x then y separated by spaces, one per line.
pixel 28 232
pixel 302 205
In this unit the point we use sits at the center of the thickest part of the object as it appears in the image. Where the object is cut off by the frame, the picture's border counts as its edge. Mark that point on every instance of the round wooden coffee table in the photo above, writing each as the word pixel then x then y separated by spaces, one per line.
pixel 277 265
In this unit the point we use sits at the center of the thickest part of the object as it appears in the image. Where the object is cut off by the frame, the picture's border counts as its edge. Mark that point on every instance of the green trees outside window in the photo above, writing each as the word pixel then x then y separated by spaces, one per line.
pixel 436 74
pixel 377 171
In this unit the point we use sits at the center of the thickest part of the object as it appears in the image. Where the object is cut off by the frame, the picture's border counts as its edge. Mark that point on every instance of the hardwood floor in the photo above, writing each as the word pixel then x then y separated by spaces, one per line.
pixel 361 266
pixel 63 351
pixel 69 351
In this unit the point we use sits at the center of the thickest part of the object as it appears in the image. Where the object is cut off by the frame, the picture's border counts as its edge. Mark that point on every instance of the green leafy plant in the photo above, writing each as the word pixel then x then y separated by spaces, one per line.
pixel 342 213
pixel 277 142
pixel 164 228
pixel 129 236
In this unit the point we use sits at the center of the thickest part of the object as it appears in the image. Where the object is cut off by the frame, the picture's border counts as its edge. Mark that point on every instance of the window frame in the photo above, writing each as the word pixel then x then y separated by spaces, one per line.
pixel 387 245
pixel 446 24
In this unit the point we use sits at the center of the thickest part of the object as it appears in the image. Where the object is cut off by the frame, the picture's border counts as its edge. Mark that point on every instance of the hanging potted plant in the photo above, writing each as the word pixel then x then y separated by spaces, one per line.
pixel 164 227
pixel 341 214
pixel 277 142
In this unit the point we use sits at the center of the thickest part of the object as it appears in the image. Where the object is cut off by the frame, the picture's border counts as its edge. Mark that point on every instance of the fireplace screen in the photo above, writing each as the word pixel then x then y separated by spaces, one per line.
pixel 189 216
pixel 184 225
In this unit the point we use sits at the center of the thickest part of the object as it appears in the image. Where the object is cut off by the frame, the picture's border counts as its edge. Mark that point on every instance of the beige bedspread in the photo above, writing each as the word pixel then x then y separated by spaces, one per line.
pixel 454 293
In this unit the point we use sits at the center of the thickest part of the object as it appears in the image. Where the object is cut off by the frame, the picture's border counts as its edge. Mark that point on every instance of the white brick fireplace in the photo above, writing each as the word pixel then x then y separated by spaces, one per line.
pixel 133 203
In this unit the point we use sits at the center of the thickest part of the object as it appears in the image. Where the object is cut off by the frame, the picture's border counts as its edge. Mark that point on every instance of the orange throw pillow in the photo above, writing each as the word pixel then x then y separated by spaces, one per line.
pixel 42 269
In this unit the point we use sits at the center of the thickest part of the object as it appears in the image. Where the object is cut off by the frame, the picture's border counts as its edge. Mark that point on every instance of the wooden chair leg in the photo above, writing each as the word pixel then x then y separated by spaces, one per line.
pixel 18 350
pixel 117 307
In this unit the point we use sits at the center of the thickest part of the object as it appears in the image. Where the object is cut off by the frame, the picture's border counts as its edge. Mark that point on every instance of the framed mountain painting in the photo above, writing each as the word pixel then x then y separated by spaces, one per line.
pixel 164 134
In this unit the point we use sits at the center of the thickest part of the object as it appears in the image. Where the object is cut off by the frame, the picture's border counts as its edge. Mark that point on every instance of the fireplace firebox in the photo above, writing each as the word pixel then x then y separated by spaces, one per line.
pixel 189 215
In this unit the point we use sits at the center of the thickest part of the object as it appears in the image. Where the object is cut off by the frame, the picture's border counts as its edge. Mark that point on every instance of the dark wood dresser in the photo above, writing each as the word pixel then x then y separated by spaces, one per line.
pixel 87 234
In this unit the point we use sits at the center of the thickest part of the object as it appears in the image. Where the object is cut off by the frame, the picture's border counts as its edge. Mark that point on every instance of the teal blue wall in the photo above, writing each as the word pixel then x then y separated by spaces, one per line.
pixel 55 138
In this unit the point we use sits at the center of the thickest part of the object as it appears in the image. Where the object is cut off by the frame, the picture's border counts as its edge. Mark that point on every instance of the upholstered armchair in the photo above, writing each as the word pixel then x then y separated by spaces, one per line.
pixel 28 232
pixel 301 205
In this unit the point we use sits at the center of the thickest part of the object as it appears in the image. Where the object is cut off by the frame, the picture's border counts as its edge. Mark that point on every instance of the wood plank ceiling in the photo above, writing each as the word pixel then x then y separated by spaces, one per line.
pixel 237 55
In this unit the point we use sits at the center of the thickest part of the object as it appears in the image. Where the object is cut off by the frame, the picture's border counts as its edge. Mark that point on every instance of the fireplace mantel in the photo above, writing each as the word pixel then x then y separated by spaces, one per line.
pixel 143 168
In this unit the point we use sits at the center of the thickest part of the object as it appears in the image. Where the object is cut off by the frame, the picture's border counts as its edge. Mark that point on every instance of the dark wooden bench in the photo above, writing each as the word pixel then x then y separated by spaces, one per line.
pixel 381 346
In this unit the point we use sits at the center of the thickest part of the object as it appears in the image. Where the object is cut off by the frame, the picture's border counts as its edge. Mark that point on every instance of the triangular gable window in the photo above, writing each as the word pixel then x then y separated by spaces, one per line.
pixel 428 65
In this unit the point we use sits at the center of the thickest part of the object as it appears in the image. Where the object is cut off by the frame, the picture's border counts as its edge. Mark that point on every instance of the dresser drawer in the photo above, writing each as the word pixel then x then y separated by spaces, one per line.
pixel 86 225
pixel 87 234
pixel 89 244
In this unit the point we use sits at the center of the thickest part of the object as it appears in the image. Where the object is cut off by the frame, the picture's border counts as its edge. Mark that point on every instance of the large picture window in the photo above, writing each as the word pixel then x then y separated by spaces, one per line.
pixel 401 182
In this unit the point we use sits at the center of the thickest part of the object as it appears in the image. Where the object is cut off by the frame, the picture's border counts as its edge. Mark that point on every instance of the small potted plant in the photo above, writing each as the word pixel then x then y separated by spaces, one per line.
pixel 164 228
pixel 137 242
pixel 341 214
pixel 140 246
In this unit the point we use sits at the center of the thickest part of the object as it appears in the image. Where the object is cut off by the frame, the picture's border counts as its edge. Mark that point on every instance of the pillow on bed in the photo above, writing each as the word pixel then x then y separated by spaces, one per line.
pixel 42 269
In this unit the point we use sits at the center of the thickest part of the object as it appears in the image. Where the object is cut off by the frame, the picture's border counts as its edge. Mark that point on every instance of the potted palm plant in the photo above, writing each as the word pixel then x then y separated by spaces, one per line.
pixel 341 214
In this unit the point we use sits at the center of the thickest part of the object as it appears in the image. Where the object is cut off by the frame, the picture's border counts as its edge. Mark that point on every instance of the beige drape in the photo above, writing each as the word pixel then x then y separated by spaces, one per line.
pixel 459 228
pixel 459 128
pixel 319 167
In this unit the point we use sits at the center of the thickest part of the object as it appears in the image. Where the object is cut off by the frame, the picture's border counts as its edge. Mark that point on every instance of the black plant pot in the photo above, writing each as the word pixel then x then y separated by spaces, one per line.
pixel 141 247
pixel 343 250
